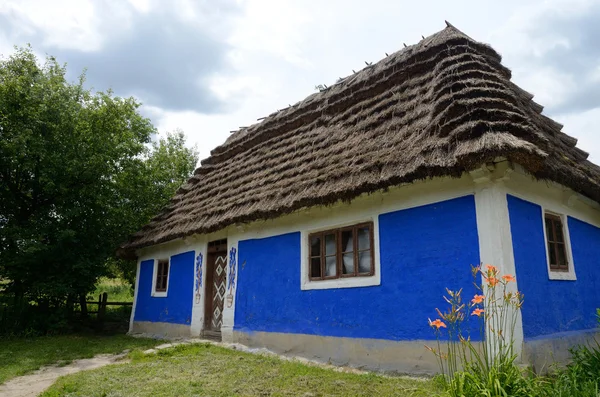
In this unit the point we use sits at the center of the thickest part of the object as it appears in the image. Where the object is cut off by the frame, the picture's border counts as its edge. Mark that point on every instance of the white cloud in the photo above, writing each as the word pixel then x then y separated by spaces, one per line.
pixel 584 126
pixel 277 51
pixel 64 23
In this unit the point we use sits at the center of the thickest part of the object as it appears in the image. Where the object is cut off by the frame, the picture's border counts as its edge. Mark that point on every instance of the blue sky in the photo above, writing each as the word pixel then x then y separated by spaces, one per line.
pixel 209 67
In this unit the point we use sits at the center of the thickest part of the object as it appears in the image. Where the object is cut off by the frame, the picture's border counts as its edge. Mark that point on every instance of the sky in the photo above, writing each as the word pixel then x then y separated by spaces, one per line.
pixel 210 67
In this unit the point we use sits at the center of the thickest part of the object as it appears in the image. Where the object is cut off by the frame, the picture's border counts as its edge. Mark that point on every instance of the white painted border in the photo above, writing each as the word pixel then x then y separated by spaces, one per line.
pixel 135 295
pixel 229 311
pixel 161 294
pixel 552 274
pixel 342 220
pixel 495 240
pixel 197 324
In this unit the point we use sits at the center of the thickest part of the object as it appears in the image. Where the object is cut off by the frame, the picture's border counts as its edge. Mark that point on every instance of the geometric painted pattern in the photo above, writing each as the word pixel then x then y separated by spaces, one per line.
pixel 232 263
pixel 198 282
pixel 218 298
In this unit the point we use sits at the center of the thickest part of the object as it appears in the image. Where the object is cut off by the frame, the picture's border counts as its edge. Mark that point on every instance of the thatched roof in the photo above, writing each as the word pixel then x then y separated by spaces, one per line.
pixel 438 108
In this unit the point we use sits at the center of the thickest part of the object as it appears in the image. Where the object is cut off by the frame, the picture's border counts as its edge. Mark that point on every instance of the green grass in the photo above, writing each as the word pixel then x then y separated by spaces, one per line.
pixel 118 290
pixel 206 370
pixel 19 356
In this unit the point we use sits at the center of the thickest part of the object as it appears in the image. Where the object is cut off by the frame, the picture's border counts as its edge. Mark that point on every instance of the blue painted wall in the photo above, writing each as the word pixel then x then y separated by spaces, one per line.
pixel 423 250
pixel 176 308
pixel 553 306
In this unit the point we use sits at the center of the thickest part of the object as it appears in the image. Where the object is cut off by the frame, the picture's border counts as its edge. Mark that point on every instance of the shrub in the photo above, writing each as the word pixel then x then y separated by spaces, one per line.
pixel 487 368
pixel 581 378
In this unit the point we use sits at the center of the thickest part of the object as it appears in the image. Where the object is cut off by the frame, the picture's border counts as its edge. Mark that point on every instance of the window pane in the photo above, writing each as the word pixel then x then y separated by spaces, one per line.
pixel 559 231
pixel 330 266
pixel 330 248
pixel 364 262
pixel 552 253
pixel 549 234
pixel 562 257
pixel 315 246
pixel 364 239
pixel 348 263
pixel 315 267
pixel 347 241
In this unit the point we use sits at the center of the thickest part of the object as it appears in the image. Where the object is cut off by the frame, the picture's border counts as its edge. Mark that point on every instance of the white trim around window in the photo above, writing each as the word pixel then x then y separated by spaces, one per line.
pixel 155 293
pixel 350 282
pixel 569 275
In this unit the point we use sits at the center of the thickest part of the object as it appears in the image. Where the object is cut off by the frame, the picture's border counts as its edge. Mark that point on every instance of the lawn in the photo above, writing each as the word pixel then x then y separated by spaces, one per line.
pixel 118 290
pixel 207 370
pixel 19 356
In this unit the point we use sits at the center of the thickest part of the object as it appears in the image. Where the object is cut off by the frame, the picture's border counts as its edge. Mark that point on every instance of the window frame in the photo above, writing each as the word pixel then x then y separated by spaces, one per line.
pixel 364 280
pixel 159 293
pixel 553 272
pixel 339 252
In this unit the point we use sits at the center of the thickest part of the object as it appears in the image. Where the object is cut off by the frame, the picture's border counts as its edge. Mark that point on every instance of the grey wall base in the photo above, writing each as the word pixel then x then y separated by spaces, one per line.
pixel 166 330
pixel 401 357
pixel 542 353
pixel 409 357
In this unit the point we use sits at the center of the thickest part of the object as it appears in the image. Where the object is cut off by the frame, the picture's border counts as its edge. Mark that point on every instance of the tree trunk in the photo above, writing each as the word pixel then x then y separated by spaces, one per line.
pixel 83 304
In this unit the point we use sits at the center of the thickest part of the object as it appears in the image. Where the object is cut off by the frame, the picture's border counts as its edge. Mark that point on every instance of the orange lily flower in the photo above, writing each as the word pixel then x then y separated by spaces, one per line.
pixel 437 324
pixel 477 312
pixel 477 299
pixel 492 281
pixel 492 269
pixel 508 278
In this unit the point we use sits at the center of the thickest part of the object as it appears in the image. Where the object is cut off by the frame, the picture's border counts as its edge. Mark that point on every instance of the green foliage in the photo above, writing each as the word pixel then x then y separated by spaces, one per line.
pixel 118 290
pixel 487 368
pixel 79 173
pixel 502 379
pixel 581 378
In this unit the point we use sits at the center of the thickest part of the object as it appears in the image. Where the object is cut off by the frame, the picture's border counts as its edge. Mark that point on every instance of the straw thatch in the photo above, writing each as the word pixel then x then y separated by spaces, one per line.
pixel 438 108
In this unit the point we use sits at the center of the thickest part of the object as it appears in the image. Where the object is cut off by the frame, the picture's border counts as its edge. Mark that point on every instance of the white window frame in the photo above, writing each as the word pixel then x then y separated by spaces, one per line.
pixel 349 282
pixel 553 274
pixel 160 294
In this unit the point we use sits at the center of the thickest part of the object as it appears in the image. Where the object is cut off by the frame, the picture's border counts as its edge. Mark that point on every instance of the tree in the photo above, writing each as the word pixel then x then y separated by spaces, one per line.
pixel 78 174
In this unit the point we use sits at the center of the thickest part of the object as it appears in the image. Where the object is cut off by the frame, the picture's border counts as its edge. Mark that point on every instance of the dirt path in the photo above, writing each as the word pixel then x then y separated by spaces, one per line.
pixel 35 383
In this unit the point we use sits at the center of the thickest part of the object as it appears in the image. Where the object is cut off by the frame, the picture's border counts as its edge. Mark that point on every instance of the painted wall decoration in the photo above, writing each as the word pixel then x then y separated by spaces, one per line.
pixel 423 250
pixel 232 274
pixel 198 283
pixel 554 306
pixel 176 307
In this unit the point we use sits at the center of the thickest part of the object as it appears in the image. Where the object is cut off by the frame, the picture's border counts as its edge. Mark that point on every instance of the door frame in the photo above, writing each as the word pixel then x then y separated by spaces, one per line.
pixel 214 249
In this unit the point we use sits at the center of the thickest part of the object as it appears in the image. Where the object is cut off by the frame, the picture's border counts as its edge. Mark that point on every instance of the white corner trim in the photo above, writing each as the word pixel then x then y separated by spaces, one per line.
pixel 135 295
pixel 160 294
pixel 350 282
pixel 553 274
pixel 495 242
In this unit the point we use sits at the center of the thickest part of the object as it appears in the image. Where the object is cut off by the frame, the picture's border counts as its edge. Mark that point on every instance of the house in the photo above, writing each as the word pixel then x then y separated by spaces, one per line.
pixel 331 228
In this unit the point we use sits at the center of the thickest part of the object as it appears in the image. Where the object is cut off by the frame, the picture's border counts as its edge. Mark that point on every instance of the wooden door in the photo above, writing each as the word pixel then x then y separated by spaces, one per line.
pixel 216 267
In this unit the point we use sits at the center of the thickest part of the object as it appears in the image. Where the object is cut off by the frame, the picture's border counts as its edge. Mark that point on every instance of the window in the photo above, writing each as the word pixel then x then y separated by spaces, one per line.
pixel 162 276
pixel 557 246
pixel 341 253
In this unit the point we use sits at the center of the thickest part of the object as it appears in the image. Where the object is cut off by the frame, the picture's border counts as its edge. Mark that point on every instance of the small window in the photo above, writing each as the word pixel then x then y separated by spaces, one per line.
pixel 162 276
pixel 555 239
pixel 341 253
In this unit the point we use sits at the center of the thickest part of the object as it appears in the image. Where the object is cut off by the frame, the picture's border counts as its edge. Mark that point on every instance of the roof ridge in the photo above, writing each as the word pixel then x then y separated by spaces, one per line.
pixel 245 139
pixel 441 107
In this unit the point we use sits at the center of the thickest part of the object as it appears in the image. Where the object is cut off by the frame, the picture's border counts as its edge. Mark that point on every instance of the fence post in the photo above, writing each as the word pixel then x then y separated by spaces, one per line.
pixel 102 307
pixel 83 304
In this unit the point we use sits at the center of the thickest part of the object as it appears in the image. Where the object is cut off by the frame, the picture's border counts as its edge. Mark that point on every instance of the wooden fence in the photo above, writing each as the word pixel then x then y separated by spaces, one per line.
pixel 102 303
